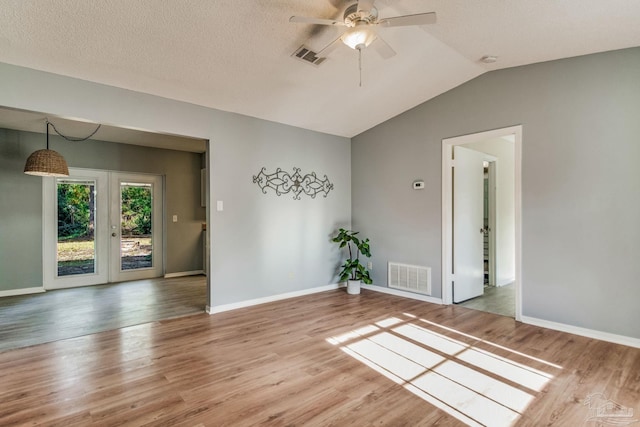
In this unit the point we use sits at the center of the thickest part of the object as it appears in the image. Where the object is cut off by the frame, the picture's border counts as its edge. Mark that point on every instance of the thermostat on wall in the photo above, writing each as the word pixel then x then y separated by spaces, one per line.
pixel 418 185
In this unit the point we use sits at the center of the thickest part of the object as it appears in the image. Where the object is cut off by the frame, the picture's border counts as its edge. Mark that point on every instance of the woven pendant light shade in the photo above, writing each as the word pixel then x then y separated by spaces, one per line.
pixel 46 163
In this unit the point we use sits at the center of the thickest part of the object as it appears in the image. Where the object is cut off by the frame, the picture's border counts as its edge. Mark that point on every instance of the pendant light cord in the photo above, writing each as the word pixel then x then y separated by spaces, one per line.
pixel 66 137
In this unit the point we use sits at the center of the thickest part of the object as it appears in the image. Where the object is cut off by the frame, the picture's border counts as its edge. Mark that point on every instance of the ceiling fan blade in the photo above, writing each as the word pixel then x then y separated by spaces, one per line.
pixel 382 48
pixel 318 21
pixel 325 51
pixel 365 5
pixel 403 21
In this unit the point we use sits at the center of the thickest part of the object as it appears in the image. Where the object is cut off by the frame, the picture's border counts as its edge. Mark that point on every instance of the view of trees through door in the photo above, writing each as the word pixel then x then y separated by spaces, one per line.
pixel 136 245
pixel 76 226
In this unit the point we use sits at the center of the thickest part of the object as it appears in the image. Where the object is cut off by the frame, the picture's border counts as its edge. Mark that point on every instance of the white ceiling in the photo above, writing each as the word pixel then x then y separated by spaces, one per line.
pixel 235 55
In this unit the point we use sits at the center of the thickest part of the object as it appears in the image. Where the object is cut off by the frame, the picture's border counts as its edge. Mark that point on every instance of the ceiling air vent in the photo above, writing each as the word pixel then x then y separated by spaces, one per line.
pixel 307 55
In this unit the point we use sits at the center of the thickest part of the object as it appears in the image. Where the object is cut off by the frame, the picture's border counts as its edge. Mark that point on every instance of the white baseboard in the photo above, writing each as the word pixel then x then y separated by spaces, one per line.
pixel 24 291
pixel 589 333
pixel 184 274
pixel 404 294
pixel 257 301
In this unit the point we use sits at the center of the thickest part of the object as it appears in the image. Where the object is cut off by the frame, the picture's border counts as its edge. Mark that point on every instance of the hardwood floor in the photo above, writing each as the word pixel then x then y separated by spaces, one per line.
pixel 326 359
pixel 66 313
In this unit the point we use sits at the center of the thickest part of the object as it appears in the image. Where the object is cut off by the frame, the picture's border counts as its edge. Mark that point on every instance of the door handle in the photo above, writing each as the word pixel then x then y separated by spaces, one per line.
pixel 114 234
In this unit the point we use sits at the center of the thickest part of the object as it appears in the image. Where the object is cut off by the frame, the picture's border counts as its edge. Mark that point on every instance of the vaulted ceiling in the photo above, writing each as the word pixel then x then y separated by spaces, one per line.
pixel 235 55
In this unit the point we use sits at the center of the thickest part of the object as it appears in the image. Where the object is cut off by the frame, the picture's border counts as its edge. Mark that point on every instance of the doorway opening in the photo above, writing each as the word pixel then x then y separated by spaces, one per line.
pixel 481 213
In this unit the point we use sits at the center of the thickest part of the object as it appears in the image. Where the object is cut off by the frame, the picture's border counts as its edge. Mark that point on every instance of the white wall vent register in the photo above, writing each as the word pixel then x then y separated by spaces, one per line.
pixel 412 278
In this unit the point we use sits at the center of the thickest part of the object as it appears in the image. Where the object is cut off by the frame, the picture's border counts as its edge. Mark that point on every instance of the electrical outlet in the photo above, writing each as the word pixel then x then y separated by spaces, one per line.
pixel 369 265
pixel 175 218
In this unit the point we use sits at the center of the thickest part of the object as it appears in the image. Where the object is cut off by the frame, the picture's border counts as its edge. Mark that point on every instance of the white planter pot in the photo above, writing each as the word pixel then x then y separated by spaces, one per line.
pixel 353 287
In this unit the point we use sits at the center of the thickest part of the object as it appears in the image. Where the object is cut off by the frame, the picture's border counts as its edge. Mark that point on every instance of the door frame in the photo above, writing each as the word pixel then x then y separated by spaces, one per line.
pixel 103 261
pixel 447 211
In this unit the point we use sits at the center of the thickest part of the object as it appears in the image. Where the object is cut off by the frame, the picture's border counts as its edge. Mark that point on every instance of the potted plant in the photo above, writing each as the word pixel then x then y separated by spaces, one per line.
pixel 352 270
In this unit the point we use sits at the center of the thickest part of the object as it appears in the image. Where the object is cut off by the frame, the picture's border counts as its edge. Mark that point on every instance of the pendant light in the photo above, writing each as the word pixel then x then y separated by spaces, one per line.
pixel 46 162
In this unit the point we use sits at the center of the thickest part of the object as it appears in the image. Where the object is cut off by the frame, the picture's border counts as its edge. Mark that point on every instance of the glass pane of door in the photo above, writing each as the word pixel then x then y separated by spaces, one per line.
pixel 76 245
pixel 136 248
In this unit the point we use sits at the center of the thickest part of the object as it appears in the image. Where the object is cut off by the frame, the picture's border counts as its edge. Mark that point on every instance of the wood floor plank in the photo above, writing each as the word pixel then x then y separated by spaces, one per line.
pixel 327 359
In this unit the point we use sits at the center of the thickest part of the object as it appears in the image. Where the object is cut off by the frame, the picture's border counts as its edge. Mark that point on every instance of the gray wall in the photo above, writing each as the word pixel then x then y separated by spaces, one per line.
pixel 261 244
pixel 20 216
pixel 580 183
pixel 264 244
pixel 21 200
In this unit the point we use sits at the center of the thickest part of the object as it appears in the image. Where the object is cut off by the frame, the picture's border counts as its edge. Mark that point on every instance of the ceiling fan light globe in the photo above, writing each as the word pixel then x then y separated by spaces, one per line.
pixel 358 37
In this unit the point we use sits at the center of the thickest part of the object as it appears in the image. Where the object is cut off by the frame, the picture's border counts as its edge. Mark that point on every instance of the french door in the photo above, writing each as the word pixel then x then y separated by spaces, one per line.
pixel 101 227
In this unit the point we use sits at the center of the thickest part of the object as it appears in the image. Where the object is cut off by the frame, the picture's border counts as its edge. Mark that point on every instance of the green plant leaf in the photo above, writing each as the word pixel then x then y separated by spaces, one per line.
pixel 352 268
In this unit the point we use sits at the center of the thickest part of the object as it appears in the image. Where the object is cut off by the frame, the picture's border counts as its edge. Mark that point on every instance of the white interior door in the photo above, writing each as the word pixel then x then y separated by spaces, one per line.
pixel 468 229
pixel 101 227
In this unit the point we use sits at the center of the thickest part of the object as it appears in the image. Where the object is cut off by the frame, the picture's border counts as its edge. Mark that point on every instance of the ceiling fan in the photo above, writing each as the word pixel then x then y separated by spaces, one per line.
pixel 361 20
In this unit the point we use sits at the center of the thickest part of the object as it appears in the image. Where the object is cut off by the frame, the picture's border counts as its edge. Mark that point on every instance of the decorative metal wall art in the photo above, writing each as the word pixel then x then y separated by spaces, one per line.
pixel 282 183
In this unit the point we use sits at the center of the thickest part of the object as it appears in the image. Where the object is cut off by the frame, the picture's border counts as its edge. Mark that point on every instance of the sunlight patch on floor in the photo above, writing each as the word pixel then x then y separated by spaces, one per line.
pixel 410 351
pixel 553 365
pixel 387 323
pixel 393 362
pixel 510 370
pixel 464 400
pixel 471 384
pixel 434 340
pixel 528 377
pixel 496 390
pixel 352 335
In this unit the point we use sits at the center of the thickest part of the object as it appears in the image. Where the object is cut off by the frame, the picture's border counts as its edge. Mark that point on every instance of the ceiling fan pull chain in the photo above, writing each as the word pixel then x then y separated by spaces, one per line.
pixel 360 65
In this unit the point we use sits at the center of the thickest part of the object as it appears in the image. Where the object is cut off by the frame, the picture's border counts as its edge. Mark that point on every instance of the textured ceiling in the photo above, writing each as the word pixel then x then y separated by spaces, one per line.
pixel 235 55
